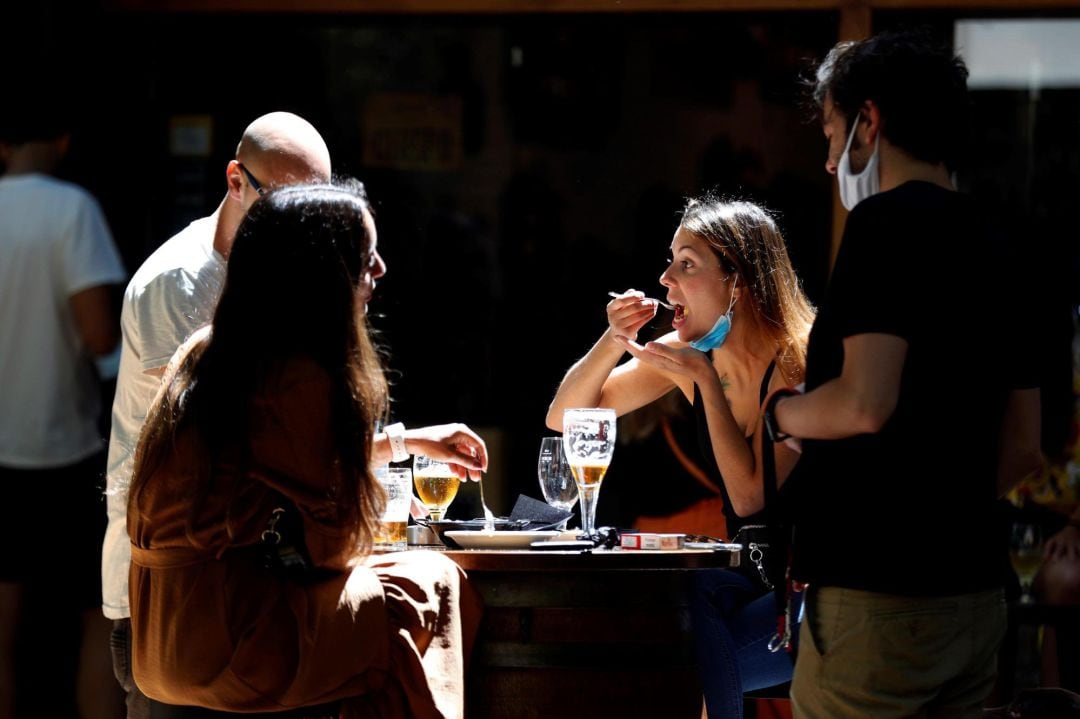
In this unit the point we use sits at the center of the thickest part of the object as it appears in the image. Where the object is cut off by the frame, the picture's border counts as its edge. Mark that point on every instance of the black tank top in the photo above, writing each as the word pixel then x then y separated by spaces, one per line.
pixel 734 521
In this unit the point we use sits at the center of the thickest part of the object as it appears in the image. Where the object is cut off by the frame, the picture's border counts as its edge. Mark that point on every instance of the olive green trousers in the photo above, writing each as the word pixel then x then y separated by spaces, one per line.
pixel 863 654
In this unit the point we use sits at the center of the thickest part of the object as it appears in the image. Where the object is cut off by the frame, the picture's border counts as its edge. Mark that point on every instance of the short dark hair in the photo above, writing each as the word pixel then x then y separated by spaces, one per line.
pixel 919 85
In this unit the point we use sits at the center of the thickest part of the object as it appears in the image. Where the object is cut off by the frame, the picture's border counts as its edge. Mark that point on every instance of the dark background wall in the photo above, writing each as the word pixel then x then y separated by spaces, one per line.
pixel 571 144
pixel 578 139
pixel 544 166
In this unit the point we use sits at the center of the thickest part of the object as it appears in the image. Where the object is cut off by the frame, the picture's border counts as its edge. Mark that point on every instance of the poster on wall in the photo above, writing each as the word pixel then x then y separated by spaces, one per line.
pixel 413 131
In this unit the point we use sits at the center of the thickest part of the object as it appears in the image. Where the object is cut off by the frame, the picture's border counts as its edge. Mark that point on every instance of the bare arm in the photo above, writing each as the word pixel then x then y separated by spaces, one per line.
pixel 92 311
pixel 860 401
pixel 455 444
pixel 1020 453
pixel 596 380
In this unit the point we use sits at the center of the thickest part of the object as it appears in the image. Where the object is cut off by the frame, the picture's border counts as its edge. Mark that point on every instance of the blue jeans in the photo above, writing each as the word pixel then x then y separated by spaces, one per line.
pixel 733 623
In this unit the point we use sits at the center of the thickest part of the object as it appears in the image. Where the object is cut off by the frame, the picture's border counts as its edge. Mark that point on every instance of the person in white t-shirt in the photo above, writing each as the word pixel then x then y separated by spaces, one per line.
pixel 174 293
pixel 59 269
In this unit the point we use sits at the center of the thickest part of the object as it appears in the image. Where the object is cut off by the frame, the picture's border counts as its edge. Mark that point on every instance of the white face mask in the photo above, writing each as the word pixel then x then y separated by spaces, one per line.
pixel 856 188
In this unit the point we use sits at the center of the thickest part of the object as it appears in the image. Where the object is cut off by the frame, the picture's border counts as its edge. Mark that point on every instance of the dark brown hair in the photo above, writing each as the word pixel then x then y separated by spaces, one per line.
pixel 290 294
pixel 919 85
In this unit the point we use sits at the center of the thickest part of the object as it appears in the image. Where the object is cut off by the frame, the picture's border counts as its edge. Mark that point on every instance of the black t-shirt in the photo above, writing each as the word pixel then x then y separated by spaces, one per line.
pixel 910 510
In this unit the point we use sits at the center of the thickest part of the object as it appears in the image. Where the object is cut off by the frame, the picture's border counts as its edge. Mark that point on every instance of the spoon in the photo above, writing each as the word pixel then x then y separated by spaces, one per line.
pixel 489 518
pixel 663 304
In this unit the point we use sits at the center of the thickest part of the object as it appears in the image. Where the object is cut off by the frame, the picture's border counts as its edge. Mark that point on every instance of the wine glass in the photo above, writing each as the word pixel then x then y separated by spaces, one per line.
pixel 436 485
pixel 556 480
pixel 1026 553
pixel 588 443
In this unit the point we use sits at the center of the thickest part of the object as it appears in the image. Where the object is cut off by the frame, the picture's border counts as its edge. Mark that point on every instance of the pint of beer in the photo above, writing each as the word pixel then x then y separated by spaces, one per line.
pixel 397 483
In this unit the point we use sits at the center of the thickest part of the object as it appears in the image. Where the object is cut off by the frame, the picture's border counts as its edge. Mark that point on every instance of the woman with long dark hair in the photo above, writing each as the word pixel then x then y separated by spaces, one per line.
pixel 739 331
pixel 264 430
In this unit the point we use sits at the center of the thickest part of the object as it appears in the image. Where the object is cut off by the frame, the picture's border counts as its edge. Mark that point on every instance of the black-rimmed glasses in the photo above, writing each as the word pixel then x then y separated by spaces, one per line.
pixel 255 184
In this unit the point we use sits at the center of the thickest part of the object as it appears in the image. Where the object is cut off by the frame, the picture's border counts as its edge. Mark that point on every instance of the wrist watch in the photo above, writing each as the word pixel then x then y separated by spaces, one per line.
pixel 395 433
pixel 771 427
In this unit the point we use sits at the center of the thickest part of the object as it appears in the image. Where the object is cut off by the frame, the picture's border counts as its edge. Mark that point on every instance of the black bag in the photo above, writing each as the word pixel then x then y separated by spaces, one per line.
pixel 779 532
pixel 755 560
pixel 284 552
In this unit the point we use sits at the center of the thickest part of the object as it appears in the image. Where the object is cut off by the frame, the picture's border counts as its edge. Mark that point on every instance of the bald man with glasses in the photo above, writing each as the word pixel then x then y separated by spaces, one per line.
pixel 174 293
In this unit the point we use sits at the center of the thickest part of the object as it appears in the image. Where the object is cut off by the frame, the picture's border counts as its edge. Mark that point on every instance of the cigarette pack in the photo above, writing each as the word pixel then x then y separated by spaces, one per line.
pixel 649 540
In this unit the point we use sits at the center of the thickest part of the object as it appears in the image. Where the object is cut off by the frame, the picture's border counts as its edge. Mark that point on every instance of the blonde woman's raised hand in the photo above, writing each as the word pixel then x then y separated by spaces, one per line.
pixel 684 361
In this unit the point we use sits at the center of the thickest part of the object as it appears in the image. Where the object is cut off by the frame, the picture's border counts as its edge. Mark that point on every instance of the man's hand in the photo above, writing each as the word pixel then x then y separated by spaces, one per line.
pixel 1064 546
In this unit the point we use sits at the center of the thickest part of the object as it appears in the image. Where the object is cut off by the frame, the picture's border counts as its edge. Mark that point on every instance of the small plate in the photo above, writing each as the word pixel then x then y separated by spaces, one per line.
pixel 506 539
pixel 457 525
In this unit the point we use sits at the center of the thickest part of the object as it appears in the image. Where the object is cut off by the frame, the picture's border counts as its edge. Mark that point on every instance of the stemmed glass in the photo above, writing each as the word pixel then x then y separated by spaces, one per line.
pixel 556 480
pixel 1026 553
pixel 588 443
pixel 436 485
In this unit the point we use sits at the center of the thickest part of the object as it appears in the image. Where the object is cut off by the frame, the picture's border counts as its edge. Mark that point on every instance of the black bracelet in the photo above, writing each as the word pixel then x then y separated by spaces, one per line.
pixel 772 429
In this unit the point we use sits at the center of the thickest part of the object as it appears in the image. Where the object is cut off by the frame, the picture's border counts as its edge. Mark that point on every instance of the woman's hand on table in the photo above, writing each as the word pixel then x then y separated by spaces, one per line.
pixel 455 444
pixel 629 312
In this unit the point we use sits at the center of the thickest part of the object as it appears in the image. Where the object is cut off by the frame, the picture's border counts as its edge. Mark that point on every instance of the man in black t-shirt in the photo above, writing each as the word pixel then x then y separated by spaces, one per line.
pixel 920 409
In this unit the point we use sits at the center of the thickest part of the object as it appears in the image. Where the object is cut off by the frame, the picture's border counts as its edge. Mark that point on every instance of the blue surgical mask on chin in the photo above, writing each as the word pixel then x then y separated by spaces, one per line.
pixel 715 337
pixel 856 188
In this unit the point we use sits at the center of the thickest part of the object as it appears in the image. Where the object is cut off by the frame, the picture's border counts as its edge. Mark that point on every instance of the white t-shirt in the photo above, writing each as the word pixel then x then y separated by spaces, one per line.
pixel 54 243
pixel 173 294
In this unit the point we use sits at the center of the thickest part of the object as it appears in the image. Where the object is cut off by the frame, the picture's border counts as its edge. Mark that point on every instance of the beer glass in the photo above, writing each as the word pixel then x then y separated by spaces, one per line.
pixel 397 483
pixel 556 480
pixel 1026 554
pixel 588 443
pixel 436 485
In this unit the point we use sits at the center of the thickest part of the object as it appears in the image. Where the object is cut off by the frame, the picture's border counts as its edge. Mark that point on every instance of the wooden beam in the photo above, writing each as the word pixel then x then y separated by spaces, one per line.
pixel 1019 5
pixel 459 7
pixel 512 7
pixel 855 21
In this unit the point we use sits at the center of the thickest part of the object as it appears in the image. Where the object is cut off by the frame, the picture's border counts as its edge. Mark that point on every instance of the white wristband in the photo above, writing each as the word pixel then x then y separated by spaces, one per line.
pixel 395 433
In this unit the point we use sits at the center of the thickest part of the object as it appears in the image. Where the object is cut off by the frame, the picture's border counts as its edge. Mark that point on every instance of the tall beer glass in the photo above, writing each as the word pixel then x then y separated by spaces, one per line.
pixel 588 442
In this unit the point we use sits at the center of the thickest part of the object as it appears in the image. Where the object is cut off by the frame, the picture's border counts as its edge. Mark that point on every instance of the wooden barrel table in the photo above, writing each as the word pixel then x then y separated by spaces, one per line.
pixel 599 634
